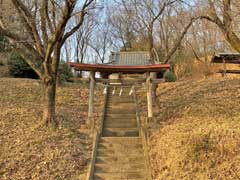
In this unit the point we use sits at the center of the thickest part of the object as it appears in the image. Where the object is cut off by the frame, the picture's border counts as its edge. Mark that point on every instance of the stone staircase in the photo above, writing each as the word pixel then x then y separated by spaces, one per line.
pixel 120 154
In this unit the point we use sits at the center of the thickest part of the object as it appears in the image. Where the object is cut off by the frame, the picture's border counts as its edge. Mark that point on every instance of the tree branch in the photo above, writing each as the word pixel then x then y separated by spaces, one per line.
pixel 26 15
pixel 179 41
pixel 83 12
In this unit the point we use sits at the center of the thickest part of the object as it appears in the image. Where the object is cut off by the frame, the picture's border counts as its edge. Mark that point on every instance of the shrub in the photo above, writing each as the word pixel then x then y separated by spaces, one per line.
pixel 19 68
pixel 1 63
pixel 3 43
pixel 65 72
pixel 169 76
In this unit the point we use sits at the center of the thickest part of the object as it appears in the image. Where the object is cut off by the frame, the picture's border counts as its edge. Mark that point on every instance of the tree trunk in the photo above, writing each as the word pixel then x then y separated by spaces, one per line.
pixel 233 40
pixel 49 103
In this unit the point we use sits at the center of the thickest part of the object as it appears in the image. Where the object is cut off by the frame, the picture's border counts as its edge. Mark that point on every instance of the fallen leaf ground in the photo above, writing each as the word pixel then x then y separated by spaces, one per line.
pixel 197 137
pixel 28 150
pixel 198 134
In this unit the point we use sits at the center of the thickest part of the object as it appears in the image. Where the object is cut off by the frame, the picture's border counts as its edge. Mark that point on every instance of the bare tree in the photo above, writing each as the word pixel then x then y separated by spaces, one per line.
pixel 83 36
pixel 101 42
pixel 222 14
pixel 121 19
pixel 153 10
pixel 46 26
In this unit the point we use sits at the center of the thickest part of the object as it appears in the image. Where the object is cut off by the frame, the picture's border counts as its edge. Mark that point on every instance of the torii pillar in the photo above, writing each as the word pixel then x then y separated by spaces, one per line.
pixel 90 121
pixel 149 96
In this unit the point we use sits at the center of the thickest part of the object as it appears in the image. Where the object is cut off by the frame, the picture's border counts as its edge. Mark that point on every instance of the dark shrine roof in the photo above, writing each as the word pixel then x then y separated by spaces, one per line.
pixel 132 58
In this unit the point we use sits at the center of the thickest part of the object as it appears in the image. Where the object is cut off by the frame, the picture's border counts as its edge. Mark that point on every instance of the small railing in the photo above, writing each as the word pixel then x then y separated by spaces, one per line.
pixel 97 132
pixel 144 137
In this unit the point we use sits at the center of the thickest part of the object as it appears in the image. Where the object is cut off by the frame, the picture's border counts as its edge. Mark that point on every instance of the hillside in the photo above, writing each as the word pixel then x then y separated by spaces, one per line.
pixel 199 130
pixel 29 150
pixel 197 137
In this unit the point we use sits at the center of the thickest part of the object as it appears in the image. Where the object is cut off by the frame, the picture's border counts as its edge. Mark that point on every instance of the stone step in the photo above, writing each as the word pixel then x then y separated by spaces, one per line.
pixel 123 140
pixel 125 107
pixel 123 119
pixel 120 176
pixel 119 144
pixel 136 140
pixel 119 168
pixel 129 124
pixel 120 119
pixel 121 151
pixel 120 104
pixel 121 99
pixel 122 110
pixel 126 95
pixel 120 132
pixel 121 159
pixel 120 116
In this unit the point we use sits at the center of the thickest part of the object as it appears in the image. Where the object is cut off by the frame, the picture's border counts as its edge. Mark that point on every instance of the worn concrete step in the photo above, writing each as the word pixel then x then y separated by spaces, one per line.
pixel 120 116
pixel 119 113
pixel 117 119
pixel 119 144
pixel 120 105
pixel 108 124
pixel 121 110
pixel 120 120
pixel 119 168
pixel 116 96
pixel 115 153
pixel 113 140
pixel 123 107
pixel 121 100
pixel 120 176
pixel 121 151
pixel 122 147
pixel 121 159
pixel 125 118
pixel 116 143
pixel 121 132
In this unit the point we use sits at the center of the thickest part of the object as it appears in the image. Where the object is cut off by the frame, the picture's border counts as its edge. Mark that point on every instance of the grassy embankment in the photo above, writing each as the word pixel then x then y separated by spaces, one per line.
pixel 28 149
pixel 199 130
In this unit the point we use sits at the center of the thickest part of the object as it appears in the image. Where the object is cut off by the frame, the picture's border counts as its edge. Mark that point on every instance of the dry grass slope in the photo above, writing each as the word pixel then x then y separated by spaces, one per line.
pixel 199 135
pixel 29 150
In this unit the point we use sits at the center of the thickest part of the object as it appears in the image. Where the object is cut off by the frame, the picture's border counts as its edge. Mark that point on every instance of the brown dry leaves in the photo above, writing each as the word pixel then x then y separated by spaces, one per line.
pixel 31 151
pixel 199 135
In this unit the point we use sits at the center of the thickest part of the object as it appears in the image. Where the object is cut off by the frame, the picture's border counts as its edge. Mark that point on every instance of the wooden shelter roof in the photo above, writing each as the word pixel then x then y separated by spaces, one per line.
pixel 232 58
pixel 120 69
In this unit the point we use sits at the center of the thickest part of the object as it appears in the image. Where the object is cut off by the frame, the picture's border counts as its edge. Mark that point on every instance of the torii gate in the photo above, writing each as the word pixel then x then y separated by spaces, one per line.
pixel 109 69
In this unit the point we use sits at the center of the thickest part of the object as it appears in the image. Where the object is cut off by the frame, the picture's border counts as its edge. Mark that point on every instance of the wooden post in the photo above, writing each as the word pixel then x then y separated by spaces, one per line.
pixel 149 96
pixel 224 68
pixel 153 76
pixel 91 100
